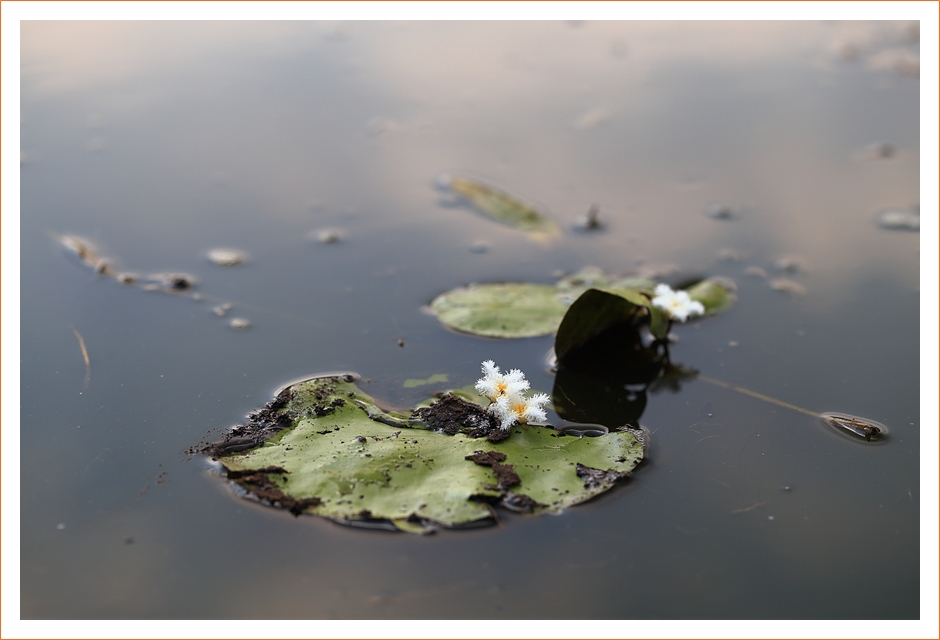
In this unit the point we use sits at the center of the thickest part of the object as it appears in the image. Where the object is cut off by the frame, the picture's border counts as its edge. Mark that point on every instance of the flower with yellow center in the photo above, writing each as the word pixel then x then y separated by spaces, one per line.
pixel 677 304
pixel 494 384
pixel 514 408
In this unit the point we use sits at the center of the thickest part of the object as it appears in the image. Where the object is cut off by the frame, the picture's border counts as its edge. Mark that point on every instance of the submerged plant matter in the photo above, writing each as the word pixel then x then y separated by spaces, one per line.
pixel 500 206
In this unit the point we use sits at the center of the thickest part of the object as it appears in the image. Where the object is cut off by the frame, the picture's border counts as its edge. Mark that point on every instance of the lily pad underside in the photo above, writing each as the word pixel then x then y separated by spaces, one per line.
pixel 323 447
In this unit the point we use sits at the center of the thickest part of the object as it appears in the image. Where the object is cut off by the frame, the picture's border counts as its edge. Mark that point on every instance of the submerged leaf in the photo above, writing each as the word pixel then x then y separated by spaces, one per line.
pixel 502 207
pixel 411 383
pixel 329 451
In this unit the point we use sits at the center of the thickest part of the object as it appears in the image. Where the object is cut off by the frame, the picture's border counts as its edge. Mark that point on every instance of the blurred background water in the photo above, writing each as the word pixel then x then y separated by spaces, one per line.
pixel 158 141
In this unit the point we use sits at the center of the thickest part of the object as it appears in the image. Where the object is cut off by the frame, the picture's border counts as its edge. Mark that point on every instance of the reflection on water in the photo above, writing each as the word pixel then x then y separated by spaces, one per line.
pixel 314 148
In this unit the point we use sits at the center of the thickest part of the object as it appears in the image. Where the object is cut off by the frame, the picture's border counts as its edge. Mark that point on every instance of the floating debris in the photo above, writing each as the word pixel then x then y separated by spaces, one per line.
pixel 379 125
pixel 592 118
pixel 900 220
pixel 897 60
pixel 878 151
pixel 589 221
pixel 480 246
pixel 789 263
pixel 228 257
pixel 582 429
pixel 328 236
pixel 756 272
pixel 855 426
pixel 500 206
pixel 170 281
pixel 720 211
pixel 87 253
pixel 222 309
pixel 788 286
pixel 239 323
pixel 127 278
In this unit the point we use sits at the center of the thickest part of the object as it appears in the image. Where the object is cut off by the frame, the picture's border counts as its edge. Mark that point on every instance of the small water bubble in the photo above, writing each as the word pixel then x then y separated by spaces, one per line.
pixel 221 310
pixel 60 526
pixel 770 517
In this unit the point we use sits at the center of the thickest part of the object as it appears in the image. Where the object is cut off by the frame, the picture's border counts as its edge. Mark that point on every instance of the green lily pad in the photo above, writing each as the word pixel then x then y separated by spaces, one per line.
pixel 502 207
pixel 521 309
pixel 501 310
pixel 323 447
pixel 715 294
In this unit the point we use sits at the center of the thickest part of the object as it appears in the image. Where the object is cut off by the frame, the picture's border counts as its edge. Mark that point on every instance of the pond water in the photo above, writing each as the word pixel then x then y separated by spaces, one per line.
pixel 158 142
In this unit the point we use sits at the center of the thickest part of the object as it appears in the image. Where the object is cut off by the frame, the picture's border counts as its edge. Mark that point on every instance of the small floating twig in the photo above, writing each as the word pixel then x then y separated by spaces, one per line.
pixel 869 430
pixel 81 343
pixel 759 396
pixel 750 508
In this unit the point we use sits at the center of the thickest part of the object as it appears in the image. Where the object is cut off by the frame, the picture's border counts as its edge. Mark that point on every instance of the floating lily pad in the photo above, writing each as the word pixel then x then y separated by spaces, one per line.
pixel 323 447
pixel 715 294
pixel 502 207
pixel 521 309
pixel 501 310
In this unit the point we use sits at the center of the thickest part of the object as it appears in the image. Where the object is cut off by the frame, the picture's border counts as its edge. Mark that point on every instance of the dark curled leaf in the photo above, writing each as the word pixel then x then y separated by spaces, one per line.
pixel 595 311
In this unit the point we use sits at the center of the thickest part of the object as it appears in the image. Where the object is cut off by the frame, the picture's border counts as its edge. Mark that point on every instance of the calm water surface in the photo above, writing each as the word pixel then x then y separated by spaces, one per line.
pixel 160 141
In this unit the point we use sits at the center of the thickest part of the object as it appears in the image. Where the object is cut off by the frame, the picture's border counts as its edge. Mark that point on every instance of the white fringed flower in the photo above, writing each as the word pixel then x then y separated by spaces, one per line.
pixel 494 384
pixel 677 304
pixel 513 408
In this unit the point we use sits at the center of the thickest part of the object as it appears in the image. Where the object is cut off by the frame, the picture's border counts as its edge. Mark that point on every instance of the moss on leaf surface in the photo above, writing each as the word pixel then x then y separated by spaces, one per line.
pixel 339 456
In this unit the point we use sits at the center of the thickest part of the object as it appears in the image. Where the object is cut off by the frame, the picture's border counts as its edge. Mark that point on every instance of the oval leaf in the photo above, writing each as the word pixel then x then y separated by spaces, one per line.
pixel 501 310
pixel 502 207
